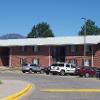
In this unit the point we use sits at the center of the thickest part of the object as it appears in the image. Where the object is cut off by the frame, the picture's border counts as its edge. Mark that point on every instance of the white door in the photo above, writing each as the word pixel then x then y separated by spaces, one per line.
pixel 70 69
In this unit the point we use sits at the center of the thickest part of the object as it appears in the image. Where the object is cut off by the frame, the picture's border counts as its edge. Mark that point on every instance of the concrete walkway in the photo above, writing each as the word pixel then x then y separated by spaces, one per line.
pixel 10 87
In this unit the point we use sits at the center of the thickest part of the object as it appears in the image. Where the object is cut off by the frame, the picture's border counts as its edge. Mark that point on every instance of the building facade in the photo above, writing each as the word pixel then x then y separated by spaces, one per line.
pixel 45 51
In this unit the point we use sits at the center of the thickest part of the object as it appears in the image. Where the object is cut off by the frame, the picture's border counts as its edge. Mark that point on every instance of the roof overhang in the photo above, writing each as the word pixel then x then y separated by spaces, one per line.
pixel 70 40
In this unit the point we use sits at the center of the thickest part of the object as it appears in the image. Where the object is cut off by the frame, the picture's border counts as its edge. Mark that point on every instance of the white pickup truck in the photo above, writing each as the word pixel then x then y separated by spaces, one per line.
pixel 62 68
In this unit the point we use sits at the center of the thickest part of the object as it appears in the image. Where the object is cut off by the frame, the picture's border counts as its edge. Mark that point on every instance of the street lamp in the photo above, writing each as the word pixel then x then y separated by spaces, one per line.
pixel 85 20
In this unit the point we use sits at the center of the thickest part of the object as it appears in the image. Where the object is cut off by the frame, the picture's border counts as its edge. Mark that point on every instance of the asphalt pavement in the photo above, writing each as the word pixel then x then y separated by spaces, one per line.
pixel 54 87
pixel 10 88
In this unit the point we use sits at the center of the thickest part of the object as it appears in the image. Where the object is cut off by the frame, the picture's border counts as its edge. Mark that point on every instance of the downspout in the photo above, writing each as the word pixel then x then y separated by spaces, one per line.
pixel 92 57
pixel 49 56
pixel 10 61
pixel 10 58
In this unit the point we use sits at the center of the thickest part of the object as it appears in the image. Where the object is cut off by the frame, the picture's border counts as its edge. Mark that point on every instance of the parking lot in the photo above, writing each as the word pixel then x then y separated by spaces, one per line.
pixel 54 87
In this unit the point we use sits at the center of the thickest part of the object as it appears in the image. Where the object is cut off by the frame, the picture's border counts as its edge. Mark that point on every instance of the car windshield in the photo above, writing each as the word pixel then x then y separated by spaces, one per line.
pixel 25 65
pixel 33 65
pixel 54 65
pixel 61 65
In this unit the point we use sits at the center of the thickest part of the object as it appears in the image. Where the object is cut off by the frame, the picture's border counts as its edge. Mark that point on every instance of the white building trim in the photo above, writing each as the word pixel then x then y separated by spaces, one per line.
pixel 70 40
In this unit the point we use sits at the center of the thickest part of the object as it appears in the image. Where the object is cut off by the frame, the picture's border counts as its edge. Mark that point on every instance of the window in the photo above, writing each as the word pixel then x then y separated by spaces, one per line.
pixel 23 49
pixel 54 65
pixel 67 65
pixel 73 48
pixel 88 48
pixel 87 62
pixel 33 65
pixel 61 65
pixel 35 61
pixel 72 66
pixel 36 49
pixel 73 61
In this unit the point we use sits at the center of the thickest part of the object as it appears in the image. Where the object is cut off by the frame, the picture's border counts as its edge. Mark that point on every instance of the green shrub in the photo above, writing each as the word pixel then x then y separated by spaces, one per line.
pixel 24 62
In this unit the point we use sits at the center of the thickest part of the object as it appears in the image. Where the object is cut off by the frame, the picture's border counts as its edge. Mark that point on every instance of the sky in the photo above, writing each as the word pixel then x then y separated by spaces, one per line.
pixel 63 16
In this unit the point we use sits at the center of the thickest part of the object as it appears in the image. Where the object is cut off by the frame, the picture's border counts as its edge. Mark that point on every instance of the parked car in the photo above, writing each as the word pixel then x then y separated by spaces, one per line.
pixel 86 71
pixel 62 68
pixel 32 68
pixel 98 73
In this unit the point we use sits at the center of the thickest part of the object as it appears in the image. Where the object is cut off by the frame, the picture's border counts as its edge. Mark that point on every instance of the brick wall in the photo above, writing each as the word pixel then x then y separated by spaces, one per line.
pixel 80 52
pixel 78 55
pixel 97 55
pixel 16 55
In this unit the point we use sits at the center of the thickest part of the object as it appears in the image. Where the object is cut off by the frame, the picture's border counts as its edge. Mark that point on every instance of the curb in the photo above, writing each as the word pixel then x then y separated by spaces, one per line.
pixel 19 94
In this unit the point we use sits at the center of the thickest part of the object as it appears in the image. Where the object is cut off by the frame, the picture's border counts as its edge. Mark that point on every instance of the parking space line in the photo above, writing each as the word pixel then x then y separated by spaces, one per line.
pixel 71 90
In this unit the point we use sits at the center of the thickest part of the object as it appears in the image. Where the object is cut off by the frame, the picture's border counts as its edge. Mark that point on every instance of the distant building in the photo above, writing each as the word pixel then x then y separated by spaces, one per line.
pixel 45 51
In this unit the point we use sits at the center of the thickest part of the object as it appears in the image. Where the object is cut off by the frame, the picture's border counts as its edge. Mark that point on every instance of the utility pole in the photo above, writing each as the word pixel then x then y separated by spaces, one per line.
pixel 85 20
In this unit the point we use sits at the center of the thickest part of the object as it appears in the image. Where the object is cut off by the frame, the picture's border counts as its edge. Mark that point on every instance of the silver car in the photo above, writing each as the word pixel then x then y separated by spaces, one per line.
pixel 32 68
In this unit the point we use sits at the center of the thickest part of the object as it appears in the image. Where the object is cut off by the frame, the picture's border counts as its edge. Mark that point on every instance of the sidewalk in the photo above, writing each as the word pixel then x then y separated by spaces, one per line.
pixel 10 87
pixel 3 68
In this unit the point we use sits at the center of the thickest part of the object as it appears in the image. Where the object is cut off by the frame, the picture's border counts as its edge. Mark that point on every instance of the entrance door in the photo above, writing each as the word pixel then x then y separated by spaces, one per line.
pixel 4 54
pixel 58 54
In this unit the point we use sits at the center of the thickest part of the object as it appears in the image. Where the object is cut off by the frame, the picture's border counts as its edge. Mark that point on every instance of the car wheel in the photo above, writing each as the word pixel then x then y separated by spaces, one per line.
pixel 23 71
pixel 62 72
pixel 87 75
pixel 30 70
pixel 42 71
pixel 47 73
pixel 35 71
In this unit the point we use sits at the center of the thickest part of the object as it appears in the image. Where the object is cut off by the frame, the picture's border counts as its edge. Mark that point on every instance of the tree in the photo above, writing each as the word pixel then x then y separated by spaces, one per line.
pixel 91 28
pixel 41 30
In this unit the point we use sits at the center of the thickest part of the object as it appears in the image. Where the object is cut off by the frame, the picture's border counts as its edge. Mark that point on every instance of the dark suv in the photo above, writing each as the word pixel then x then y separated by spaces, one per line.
pixel 98 73
pixel 86 71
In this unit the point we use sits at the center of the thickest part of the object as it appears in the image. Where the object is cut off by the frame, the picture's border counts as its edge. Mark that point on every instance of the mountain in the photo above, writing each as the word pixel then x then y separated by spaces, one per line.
pixel 12 36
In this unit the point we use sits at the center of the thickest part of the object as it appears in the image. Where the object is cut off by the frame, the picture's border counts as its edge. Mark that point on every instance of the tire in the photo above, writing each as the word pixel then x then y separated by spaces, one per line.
pixel 62 72
pixel 87 75
pixel 35 71
pixel 30 71
pixel 42 71
pixel 23 71
pixel 47 73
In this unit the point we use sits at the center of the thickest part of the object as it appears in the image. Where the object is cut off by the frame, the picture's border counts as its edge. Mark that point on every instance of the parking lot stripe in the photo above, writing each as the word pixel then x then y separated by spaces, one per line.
pixel 71 90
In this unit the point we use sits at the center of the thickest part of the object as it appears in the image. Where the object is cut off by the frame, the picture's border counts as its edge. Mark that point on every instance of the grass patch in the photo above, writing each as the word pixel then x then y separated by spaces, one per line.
pixel 10 68
pixel 0 82
pixel 15 68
